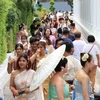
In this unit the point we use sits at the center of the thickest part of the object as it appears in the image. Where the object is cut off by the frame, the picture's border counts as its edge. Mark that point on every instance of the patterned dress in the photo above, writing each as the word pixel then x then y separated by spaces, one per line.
pixel 22 81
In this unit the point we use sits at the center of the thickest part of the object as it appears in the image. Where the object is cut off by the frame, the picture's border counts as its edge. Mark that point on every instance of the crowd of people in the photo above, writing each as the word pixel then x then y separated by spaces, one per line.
pixel 75 72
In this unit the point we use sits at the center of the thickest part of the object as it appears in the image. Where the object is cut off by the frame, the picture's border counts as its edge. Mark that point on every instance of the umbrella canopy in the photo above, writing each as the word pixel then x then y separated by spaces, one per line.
pixel 46 66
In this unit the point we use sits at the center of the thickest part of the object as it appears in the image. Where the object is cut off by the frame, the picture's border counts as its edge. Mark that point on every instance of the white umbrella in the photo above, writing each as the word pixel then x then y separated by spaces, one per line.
pixel 46 66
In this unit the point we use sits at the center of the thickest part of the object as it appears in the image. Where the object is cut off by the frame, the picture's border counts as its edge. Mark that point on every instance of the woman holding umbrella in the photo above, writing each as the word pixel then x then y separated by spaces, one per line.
pixel 45 68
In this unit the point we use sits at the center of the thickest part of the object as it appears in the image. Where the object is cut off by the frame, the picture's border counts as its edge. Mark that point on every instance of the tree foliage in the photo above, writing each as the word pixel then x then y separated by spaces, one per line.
pixel 12 14
pixel 4 6
pixel 52 7
pixel 70 2
pixel 39 10
pixel 39 7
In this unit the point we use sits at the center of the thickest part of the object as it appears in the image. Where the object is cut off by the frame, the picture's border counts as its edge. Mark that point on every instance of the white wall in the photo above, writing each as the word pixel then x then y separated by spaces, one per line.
pixel 87 17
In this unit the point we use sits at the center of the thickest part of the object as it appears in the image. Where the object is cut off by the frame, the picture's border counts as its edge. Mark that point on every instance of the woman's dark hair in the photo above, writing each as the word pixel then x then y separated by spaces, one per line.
pixel 62 63
pixel 72 24
pixel 21 26
pixel 26 57
pixel 91 38
pixel 19 45
pixel 47 38
pixel 89 58
pixel 23 36
pixel 71 21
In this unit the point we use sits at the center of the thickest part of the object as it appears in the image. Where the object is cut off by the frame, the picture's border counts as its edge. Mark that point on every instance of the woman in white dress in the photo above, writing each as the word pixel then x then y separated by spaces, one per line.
pixel 21 79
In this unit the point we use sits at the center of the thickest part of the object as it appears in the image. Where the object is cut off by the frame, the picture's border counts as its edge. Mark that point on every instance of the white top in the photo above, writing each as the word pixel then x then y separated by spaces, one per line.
pixel 52 16
pixel 93 52
pixel 61 26
pixel 73 66
pixel 78 47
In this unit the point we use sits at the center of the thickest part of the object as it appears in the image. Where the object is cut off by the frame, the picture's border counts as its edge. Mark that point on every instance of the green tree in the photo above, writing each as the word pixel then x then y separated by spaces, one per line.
pixel 70 2
pixel 44 10
pixel 12 13
pixel 25 6
pixel 13 22
pixel 52 8
pixel 20 12
pixel 39 8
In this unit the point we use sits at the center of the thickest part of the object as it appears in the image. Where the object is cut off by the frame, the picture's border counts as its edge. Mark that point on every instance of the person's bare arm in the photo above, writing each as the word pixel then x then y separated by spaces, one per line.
pixel 84 83
pixel 9 68
pixel 12 85
pixel 32 59
pixel 98 58
pixel 60 89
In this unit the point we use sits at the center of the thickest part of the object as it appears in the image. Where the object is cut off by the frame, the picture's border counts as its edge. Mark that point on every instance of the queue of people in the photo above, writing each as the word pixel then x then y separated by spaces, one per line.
pixel 75 71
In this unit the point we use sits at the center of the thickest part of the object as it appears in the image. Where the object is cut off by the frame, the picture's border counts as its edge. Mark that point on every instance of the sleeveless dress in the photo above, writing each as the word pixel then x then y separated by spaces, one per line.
pixel 78 95
pixel 23 80
pixel 53 93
